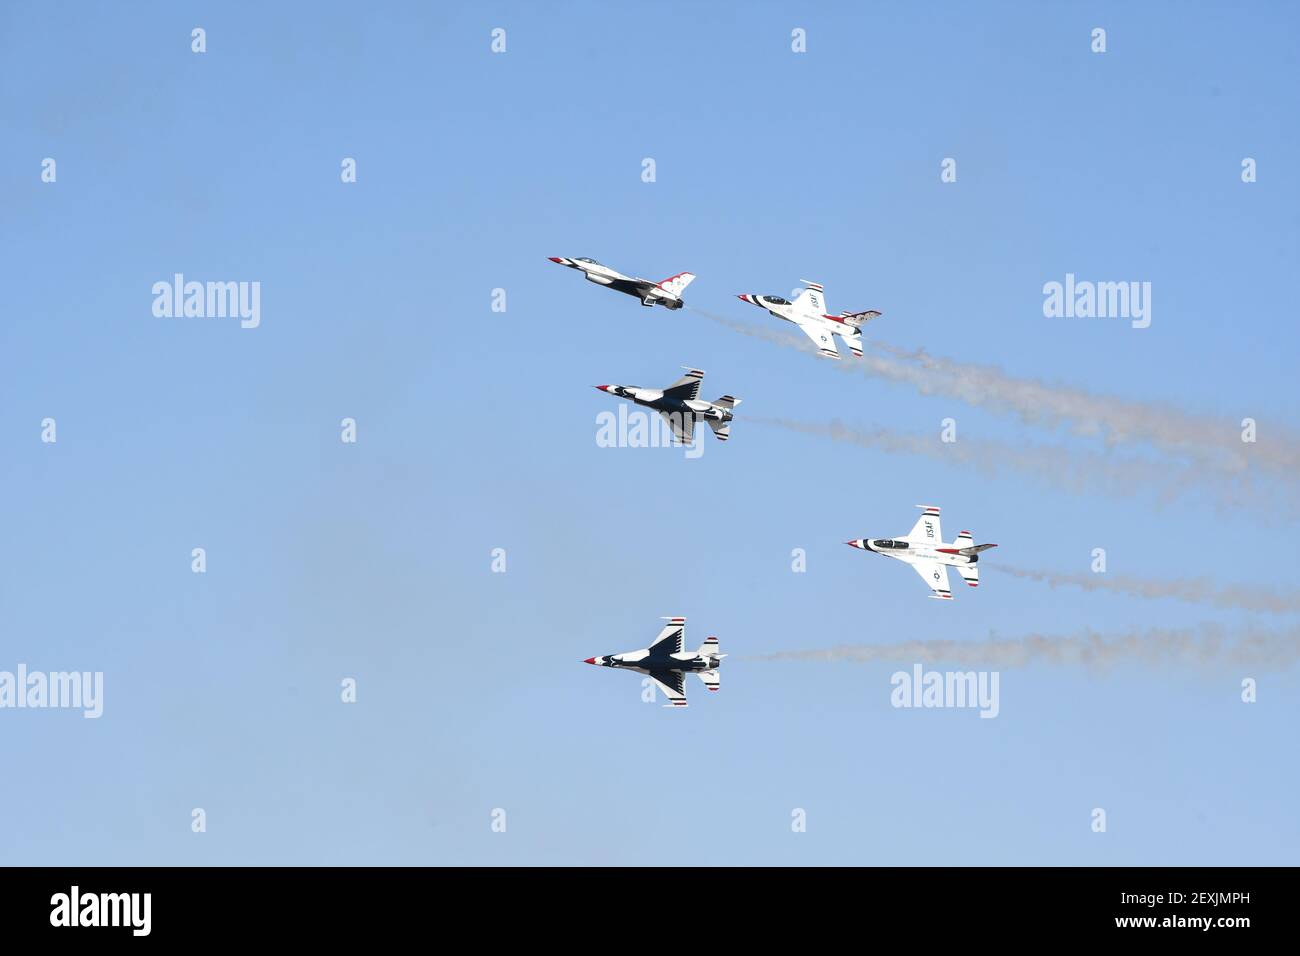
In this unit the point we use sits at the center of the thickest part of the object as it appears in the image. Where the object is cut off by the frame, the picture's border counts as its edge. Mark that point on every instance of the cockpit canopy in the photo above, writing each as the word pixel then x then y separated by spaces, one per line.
pixel 887 544
pixel 776 299
pixel 592 262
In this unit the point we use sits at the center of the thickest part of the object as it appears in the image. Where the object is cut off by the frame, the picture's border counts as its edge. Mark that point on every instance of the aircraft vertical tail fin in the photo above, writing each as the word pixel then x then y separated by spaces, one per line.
pixel 859 319
pixel 676 285
pixel 966 545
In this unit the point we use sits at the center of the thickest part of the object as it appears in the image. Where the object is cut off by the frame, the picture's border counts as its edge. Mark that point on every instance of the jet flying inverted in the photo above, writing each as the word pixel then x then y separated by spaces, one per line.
pixel 808 312
pixel 924 550
pixel 667 664
pixel 667 293
pixel 680 405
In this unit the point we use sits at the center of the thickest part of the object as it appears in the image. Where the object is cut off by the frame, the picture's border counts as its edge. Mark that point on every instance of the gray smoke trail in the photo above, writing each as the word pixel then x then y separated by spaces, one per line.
pixel 1077 472
pixel 1206 645
pixel 1116 420
pixel 1208 442
pixel 1194 590
pixel 771 334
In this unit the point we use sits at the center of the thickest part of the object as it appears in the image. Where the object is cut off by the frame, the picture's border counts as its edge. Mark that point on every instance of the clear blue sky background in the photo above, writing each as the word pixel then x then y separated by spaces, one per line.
pixel 477 429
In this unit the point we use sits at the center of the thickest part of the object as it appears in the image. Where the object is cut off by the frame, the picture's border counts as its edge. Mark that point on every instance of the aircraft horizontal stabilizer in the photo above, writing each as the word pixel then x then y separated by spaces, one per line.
pixel 710 679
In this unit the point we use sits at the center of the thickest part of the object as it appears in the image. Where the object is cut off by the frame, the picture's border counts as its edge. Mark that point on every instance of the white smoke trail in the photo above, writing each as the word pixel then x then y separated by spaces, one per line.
pixel 1207 645
pixel 1208 442
pixel 1078 472
pixel 1193 590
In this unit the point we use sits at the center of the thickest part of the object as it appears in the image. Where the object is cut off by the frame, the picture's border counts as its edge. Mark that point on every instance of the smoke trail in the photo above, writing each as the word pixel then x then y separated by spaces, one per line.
pixel 1194 590
pixel 771 334
pixel 1118 421
pixel 1078 472
pixel 1208 442
pixel 1206 645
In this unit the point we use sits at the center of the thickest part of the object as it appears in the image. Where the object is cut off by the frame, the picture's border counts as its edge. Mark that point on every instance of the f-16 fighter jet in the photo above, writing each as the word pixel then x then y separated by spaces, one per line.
pixel 924 550
pixel 667 664
pixel 808 312
pixel 681 406
pixel 667 293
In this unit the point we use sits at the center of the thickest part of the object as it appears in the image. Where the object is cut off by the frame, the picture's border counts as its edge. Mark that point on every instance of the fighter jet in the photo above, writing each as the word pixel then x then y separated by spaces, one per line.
pixel 667 665
pixel 667 293
pixel 807 312
pixel 924 550
pixel 681 406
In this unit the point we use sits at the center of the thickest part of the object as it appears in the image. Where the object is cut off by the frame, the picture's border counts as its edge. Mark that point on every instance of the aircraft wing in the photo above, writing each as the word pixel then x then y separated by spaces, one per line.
pixel 822 338
pixel 682 424
pixel 935 576
pixel 927 529
pixel 687 388
pixel 672 633
pixel 590 267
pixel 642 287
pixel 673 684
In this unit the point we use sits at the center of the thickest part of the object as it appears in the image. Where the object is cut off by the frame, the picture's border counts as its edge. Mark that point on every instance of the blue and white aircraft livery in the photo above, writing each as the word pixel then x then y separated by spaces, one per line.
pixel 667 664
pixel 681 406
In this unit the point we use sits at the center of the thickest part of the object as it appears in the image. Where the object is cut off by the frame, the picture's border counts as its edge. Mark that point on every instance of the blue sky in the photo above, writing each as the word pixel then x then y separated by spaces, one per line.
pixel 477 429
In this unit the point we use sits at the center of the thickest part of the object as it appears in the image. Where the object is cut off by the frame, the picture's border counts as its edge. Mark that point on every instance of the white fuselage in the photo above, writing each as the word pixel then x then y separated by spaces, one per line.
pixel 600 274
pixel 911 552
pixel 802 317
pixel 650 293
pixel 819 326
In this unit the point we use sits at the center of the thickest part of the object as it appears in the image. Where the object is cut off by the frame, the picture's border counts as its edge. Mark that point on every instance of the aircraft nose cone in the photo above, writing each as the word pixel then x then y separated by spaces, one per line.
pixel 743 298
pixel 854 544
pixel 603 388
pixel 590 660
pixel 556 259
